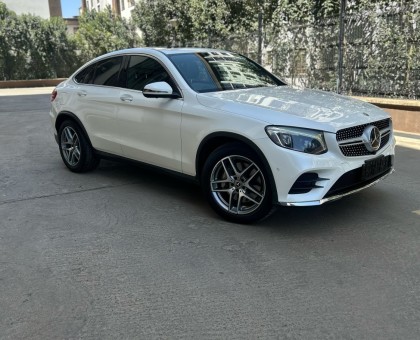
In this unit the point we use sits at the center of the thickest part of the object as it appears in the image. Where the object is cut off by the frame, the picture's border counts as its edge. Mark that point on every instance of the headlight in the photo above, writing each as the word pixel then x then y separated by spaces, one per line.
pixel 303 140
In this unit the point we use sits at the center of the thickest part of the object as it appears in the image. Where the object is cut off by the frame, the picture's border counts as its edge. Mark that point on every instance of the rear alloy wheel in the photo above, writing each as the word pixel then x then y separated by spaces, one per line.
pixel 236 184
pixel 70 146
pixel 75 150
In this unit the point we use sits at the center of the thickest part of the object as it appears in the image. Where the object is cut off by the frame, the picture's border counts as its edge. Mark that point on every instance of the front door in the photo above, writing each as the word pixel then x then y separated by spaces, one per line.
pixel 149 127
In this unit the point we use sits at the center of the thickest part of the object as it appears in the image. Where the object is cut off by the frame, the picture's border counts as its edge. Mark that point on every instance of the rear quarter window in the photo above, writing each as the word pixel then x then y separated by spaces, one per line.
pixel 104 72
pixel 107 72
pixel 85 76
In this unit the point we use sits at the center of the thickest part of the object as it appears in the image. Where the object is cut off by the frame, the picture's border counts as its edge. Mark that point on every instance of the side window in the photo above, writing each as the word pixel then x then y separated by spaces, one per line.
pixel 144 70
pixel 85 76
pixel 107 72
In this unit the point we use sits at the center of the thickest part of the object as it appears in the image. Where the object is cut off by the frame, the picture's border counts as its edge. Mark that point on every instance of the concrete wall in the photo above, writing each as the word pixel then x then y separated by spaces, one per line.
pixel 13 84
pixel 405 113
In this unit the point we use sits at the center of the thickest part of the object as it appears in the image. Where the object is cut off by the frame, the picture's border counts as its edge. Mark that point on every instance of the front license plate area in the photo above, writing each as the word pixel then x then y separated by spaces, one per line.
pixel 375 167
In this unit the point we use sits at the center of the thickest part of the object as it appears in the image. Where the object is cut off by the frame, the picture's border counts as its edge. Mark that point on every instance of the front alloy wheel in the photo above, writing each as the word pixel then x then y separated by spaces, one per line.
pixel 236 185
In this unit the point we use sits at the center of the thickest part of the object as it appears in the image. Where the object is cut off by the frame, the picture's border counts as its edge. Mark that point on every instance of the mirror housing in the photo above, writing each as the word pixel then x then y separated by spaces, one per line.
pixel 160 89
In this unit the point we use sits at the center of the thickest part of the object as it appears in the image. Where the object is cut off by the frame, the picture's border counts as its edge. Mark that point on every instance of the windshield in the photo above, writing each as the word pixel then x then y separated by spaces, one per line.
pixel 221 71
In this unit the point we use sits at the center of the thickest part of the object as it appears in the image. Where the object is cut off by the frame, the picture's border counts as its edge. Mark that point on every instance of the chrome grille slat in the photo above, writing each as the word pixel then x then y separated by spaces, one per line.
pixel 351 144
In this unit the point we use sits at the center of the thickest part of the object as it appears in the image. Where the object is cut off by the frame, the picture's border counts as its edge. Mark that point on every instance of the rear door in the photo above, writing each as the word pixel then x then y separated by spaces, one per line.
pixel 97 103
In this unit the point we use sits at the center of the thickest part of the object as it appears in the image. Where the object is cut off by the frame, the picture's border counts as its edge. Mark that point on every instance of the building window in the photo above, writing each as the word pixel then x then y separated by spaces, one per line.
pixel 122 5
pixel 132 2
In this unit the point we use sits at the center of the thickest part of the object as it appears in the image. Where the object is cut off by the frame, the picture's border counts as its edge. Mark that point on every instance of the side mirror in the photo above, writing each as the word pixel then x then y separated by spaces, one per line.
pixel 160 89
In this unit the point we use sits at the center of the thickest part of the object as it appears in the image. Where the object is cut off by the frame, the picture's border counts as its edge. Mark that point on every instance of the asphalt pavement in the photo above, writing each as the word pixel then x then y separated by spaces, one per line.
pixel 127 253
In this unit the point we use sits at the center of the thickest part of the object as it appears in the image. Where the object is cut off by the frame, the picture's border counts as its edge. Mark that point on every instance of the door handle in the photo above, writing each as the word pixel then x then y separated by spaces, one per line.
pixel 126 98
pixel 82 93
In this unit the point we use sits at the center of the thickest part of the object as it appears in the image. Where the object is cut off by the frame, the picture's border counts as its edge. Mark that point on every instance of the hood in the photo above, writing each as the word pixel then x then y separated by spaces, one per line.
pixel 284 105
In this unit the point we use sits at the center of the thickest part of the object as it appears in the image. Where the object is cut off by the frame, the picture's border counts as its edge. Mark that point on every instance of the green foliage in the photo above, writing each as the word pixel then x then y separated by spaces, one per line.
pixel 12 53
pixel 32 47
pixel 153 19
pixel 381 48
pixel 211 19
pixel 102 32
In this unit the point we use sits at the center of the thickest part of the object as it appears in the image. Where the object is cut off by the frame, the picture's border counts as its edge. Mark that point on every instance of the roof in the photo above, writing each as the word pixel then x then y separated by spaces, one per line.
pixel 165 50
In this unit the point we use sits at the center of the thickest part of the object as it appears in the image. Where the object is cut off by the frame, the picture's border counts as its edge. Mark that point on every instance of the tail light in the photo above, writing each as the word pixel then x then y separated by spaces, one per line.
pixel 53 95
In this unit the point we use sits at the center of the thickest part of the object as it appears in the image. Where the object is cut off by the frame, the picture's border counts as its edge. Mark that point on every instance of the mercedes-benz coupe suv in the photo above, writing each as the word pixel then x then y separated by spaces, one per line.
pixel 250 140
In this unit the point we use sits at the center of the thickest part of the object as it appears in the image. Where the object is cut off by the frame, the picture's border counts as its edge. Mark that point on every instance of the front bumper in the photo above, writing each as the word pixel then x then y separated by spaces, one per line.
pixel 334 175
pixel 338 196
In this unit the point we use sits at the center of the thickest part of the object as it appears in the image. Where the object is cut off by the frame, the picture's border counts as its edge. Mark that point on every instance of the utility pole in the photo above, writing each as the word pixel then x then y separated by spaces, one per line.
pixel 341 46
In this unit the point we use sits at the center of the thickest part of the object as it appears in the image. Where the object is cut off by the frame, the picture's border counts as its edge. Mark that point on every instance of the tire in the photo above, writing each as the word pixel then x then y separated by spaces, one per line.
pixel 75 149
pixel 236 184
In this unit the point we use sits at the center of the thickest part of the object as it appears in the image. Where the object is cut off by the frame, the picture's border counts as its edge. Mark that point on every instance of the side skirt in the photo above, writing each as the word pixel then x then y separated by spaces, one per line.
pixel 112 157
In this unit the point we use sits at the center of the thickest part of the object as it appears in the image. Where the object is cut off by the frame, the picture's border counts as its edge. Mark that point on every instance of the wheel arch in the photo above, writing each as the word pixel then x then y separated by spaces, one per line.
pixel 67 115
pixel 217 139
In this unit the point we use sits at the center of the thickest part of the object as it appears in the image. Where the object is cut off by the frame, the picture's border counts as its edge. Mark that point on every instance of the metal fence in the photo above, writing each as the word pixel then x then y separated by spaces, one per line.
pixel 381 52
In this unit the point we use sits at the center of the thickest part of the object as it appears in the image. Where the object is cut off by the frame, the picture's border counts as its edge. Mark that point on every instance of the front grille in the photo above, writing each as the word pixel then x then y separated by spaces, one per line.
pixel 350 139
pixel 357 131
pixel 359 149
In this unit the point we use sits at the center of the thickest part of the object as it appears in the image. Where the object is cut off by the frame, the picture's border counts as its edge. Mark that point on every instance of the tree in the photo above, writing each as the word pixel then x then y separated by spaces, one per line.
pixel 103 32
pixel 58 49
pixel 12 46
pixel 32 47
pixel 163 22
pixel 49 51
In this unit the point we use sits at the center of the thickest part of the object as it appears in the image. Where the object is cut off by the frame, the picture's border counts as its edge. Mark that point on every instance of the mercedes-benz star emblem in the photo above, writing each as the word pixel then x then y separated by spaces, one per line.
pixel 372 138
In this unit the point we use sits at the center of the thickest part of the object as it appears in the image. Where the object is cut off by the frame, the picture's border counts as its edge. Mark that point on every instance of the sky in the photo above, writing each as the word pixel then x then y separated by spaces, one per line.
pixel 70 8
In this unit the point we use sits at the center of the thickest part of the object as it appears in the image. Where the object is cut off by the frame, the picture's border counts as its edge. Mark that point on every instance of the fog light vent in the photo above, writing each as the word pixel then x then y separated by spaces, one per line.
pixel 305 183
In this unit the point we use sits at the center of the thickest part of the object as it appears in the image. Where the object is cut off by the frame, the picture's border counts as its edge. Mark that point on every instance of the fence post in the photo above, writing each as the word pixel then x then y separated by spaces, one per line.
pixel 260 38
pixel 340 46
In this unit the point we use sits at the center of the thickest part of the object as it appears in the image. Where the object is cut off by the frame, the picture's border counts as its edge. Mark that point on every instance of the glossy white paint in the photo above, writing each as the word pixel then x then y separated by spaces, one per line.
pixel 168 132
pixel 285 105
pixel 149 129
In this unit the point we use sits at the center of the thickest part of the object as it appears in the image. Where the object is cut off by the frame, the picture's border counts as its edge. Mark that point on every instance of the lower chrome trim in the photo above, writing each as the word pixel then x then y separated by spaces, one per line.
pixel 333 198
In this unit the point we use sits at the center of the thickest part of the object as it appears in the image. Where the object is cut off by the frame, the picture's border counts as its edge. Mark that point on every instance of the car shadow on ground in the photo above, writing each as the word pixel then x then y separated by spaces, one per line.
pixel 291 220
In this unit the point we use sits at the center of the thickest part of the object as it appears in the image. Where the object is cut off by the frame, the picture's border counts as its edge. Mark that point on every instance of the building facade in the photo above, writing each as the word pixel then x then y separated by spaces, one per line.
pixel 43 8
pixel 120 7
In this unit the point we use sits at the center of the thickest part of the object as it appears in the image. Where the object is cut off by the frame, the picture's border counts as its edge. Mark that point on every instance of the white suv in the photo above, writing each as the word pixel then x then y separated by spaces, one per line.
pixel 248 138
